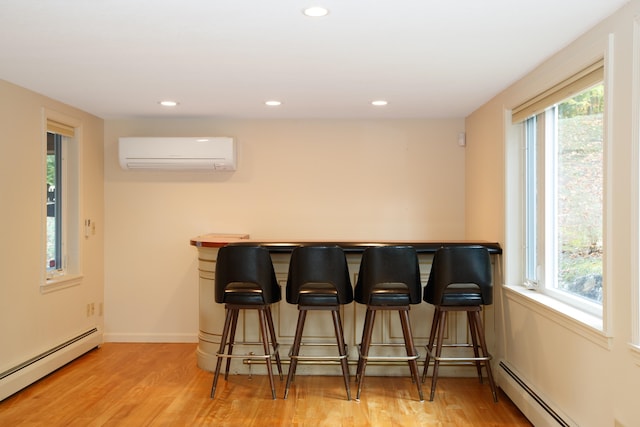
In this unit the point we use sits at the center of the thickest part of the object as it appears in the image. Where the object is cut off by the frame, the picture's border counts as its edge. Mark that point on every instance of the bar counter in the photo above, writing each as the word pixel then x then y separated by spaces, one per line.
pixel 421 246
pixel 319 328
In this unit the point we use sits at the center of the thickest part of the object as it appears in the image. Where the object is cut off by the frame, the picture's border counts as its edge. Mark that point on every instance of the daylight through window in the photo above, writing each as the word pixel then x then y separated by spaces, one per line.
pixel 563 202
pixel 54 203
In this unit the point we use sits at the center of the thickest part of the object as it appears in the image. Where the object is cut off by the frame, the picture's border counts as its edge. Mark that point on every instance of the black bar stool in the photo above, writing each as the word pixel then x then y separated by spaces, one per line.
pixel 460 280
pixel 389 279
pixel 245 280
pixel 318 280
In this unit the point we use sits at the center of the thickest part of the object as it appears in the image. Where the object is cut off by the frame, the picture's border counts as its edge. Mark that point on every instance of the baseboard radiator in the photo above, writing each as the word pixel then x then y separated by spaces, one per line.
pixel 31 370
pixel 530 402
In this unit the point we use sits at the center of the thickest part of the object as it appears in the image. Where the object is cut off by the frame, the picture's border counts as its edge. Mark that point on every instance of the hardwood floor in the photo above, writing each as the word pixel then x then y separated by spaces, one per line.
pixel 123 384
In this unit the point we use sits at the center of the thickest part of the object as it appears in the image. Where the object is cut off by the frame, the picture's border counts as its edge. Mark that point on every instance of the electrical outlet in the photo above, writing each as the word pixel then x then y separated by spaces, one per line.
pixel 89 228
pixel 91 309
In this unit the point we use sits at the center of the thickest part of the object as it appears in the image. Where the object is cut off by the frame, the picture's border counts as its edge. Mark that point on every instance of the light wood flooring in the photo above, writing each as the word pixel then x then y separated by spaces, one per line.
pixel 123 384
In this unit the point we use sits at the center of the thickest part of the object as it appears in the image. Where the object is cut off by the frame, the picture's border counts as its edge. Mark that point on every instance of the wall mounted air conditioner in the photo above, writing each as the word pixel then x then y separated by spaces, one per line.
pixel 177 153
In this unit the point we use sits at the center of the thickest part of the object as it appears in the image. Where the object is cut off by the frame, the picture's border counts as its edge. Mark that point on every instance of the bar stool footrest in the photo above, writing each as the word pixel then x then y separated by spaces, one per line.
pixel 319 357
pixel 273 353
pixel 458 358
pixel 387 358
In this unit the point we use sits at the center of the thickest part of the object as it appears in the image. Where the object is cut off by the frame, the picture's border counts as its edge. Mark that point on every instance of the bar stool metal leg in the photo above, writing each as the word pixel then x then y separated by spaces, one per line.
pixel 485 353
pixel 297 343
pixel 274 341
pixel 365 346
pixel 232 339
pixel 223 343
pixel 473 331
pixel 367 331
pixel 265 343
pixel 436 363
pixel 342 349
pixel 411 349
pixel 295 350
pixel 432 338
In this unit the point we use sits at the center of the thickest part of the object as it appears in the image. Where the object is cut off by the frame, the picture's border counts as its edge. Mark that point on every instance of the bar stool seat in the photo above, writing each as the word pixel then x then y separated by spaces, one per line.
pixel 318 279
pixel 245 280
pixel 389 279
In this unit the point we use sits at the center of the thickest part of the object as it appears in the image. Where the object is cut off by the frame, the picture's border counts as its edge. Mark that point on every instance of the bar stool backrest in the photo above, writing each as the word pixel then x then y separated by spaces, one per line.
pixel 388 265
pixel 312 265
pixel 460 275
pixel 250 265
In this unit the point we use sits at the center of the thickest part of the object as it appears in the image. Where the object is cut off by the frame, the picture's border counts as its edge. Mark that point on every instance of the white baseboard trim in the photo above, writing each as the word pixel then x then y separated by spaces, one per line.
pixel 538 408
pixel 152 338
pixel 33 369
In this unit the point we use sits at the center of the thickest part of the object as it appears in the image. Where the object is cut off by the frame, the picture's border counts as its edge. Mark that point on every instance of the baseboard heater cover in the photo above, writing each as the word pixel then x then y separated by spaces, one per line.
pixel 541 407
pixel 31 370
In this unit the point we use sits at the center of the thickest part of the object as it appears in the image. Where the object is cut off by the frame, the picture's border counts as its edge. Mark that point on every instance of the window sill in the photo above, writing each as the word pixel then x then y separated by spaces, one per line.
pixel 577 321
pixel 61 282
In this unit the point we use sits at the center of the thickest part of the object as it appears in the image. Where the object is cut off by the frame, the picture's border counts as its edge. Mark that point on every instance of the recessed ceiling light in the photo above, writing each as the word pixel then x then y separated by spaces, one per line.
pixel 168 103
pixel 273 103
pixel 379 103
pixel 316 11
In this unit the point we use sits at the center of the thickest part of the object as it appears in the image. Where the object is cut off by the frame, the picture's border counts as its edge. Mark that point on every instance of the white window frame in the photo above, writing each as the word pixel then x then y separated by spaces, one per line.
pixel 548 250
pixel 634 343
pixel 70 273
pixel 516 287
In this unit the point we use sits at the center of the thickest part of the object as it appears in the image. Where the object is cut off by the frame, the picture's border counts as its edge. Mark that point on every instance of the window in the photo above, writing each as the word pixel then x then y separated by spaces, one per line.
pixel 62 231
pixel 635 197
pixel 55 196
pixel 563 192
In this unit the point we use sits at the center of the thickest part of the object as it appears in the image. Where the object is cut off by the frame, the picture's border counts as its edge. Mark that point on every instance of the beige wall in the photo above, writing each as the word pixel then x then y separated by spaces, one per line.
pixel 592 378
pixel 30 321
pixel 340 179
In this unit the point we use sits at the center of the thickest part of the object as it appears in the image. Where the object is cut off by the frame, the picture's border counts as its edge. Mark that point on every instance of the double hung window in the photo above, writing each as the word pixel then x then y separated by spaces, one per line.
pixel 62 205
pixel 563 190
pixel 55 210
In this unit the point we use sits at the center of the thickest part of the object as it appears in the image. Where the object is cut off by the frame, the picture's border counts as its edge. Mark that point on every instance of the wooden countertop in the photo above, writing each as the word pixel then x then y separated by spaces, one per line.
pixel 217 240
pixel 422 246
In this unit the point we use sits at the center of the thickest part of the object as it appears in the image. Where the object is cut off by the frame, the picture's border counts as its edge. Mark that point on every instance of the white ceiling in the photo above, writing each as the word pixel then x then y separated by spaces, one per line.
pixel 224 58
